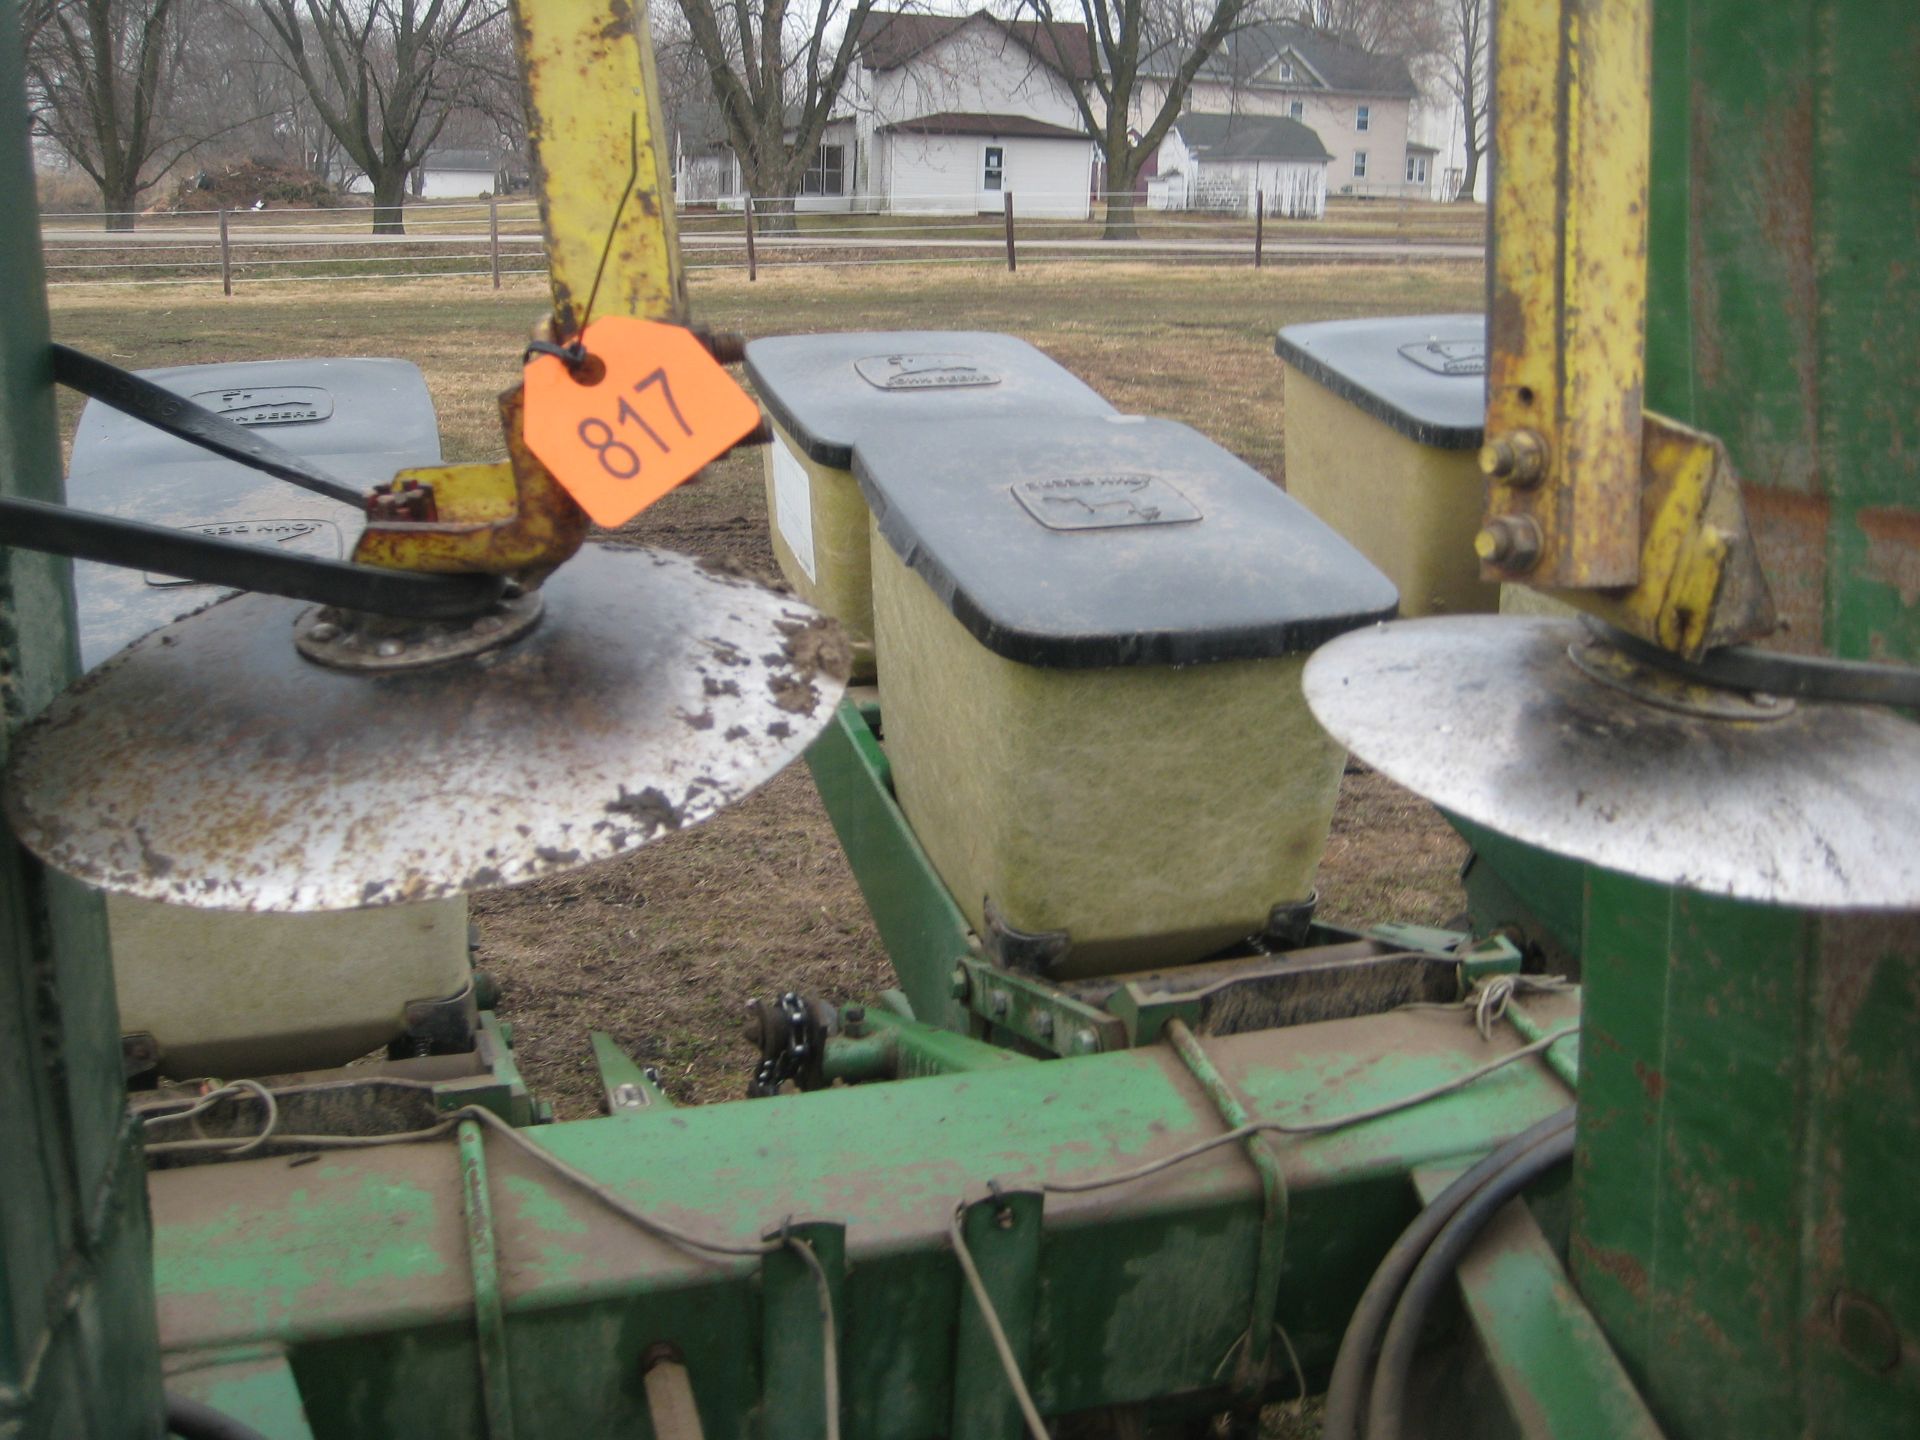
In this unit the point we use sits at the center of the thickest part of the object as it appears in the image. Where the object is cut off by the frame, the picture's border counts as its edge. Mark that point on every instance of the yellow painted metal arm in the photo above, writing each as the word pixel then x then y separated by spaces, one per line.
pixel 1624 514
pixel 606 204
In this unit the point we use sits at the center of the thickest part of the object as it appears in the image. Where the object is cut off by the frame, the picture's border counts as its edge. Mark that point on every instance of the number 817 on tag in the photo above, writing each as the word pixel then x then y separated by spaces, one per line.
pixel 647 410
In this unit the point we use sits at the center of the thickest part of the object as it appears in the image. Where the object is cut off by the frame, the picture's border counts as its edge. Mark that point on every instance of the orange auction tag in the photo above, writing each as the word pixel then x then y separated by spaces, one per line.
pixel 649 408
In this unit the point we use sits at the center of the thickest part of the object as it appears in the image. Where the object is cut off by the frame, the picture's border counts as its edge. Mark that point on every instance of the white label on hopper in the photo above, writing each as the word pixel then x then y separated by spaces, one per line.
pixel 793 505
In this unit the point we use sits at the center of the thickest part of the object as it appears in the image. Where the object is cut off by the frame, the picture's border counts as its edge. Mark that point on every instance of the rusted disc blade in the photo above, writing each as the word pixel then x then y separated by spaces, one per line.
pixel 1488 717
pixel 211 765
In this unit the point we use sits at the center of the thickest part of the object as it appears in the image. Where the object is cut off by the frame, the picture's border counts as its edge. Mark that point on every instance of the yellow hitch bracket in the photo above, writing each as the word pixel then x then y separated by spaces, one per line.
pixel 507 518
pixel 1700 585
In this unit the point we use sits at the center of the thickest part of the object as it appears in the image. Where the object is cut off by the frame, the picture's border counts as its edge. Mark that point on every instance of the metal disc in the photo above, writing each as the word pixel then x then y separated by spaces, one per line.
pixel 210 764
pixel 1487 717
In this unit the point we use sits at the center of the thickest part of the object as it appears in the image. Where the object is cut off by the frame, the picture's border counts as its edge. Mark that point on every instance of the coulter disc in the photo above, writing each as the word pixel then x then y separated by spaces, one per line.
pixel 211 764
pixel 1507 722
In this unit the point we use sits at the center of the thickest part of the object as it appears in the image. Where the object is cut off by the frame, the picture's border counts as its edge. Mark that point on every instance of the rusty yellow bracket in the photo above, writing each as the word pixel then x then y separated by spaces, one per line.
pixel 606 205
pixel 1621 513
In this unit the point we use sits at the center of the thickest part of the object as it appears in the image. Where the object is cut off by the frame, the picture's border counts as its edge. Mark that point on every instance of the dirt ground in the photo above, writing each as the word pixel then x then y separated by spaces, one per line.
pixel 662 948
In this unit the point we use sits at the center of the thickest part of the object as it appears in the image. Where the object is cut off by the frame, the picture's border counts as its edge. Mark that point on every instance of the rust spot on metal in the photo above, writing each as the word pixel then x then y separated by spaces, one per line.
pixel 1651 1080
pixel 1617 1265
pixel 1790 536
pixel 1893 549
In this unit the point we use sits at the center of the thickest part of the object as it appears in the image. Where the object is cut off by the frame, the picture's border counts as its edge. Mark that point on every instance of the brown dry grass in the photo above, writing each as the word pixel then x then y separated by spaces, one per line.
pixel 661 948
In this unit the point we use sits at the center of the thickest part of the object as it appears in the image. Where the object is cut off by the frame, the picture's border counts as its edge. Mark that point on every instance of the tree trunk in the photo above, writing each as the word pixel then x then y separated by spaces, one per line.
pixel 389 200
pixel 774 216
pixel 1464 196
pixel 1121 202
pixel 119 198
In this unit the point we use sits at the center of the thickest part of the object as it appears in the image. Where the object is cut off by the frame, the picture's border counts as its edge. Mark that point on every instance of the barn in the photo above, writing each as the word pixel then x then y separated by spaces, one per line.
pixel 1222 163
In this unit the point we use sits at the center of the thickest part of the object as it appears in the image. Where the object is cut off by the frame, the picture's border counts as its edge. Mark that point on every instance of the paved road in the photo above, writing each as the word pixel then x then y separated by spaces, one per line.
pixel 1332 247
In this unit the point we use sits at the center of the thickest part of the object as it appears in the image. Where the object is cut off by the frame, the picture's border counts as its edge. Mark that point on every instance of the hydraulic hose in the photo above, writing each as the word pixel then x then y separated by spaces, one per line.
pixel 1348 1384
pixel 1386 1408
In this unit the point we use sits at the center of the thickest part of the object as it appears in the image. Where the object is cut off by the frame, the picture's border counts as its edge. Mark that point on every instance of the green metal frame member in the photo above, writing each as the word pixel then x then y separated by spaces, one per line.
pixel 78 1354
pixel 357 1266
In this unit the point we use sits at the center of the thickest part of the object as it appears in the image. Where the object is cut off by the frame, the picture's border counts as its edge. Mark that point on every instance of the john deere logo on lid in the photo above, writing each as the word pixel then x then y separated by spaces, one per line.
pixel 923 372
pixel 1104 502
pixel 1449 357
pixel 319 538
pixel 269 404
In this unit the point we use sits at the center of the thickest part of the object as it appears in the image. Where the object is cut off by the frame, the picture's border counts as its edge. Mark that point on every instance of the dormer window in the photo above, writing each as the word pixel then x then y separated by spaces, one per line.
pixel 1286 70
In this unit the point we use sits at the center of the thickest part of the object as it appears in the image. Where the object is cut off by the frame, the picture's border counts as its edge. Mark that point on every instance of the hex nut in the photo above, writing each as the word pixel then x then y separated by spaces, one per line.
pixel 1511 542
pixel 1517 458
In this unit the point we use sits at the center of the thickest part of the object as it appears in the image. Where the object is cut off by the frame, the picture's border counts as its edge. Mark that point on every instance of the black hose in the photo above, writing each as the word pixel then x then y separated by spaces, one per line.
pixel 1348 1383
pixel 192 1419
pixel 1386 1408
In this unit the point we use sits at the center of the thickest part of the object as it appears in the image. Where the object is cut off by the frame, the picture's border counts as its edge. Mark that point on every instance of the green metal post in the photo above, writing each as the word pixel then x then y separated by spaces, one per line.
pixel 78 1349
pixel 1743 1221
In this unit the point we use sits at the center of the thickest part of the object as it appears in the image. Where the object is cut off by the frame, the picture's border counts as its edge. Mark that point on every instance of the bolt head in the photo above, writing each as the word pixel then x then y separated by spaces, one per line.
pixel 1043 1023
pixel 326 630
pixel 1512 542
pixel 388 649
pixel 998 1001
pixel 957 983
pixel 1085 1042
pixel 1517 458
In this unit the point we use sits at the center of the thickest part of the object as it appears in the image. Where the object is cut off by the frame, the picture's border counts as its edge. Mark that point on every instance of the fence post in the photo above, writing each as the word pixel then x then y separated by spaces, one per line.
pixel 1006 198
pixel 493 237
pixel 753 265
pixel 226 258
pixel 1259 225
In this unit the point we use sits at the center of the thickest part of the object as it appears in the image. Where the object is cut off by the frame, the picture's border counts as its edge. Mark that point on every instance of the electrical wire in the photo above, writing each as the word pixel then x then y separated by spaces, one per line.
pixel 1346 1386
pixel 1312 1127
pixel 1386 1407
pixel 1009 1362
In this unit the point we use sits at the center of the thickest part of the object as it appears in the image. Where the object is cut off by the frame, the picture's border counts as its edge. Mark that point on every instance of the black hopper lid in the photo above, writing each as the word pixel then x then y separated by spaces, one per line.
pixel 1084 542
pixel 830 391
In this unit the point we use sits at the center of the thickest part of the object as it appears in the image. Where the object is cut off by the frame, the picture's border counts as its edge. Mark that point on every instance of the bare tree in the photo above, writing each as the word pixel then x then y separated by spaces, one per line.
pixel 1127 42
pixel 776 74
pixel 1470 27
pixel 384 76
pixel 101 76
pixel 1410 29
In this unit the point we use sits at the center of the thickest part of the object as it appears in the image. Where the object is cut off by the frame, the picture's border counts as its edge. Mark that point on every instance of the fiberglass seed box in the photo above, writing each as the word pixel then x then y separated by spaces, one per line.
pixel 1091 632
pixel 1383 427
pixel 224 993
pixel 826 393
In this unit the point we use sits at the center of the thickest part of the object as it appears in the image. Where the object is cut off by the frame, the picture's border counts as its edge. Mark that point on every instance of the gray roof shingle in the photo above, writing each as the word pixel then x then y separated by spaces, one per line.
pixel 1249 137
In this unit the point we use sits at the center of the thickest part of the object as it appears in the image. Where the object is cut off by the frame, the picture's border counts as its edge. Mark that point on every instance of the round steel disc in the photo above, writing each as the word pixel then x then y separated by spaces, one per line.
pixel 209 764
pixel 1487 717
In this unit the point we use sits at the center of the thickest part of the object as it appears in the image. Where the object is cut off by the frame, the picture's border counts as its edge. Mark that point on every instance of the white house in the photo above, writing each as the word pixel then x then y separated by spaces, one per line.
pixel 1227 163
pixel 941 114
pixel 950 112
pixel 1356 102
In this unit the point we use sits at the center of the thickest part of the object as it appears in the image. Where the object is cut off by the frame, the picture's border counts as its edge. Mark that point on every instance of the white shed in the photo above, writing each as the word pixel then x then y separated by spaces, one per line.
pixel 456 174
pixel 957 161
pixel 1223 162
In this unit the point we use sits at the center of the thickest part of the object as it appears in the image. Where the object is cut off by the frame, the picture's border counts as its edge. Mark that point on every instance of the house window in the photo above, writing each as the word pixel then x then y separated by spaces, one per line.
pixel 1416 169
pixel 1359 164
pixel 828 173
pixel 1296 109
pixel 993 168
pixel 1361 119
pixel 1286 70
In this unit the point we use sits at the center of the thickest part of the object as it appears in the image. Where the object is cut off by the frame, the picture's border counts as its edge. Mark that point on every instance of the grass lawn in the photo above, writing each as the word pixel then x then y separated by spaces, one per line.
pixel 661 948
